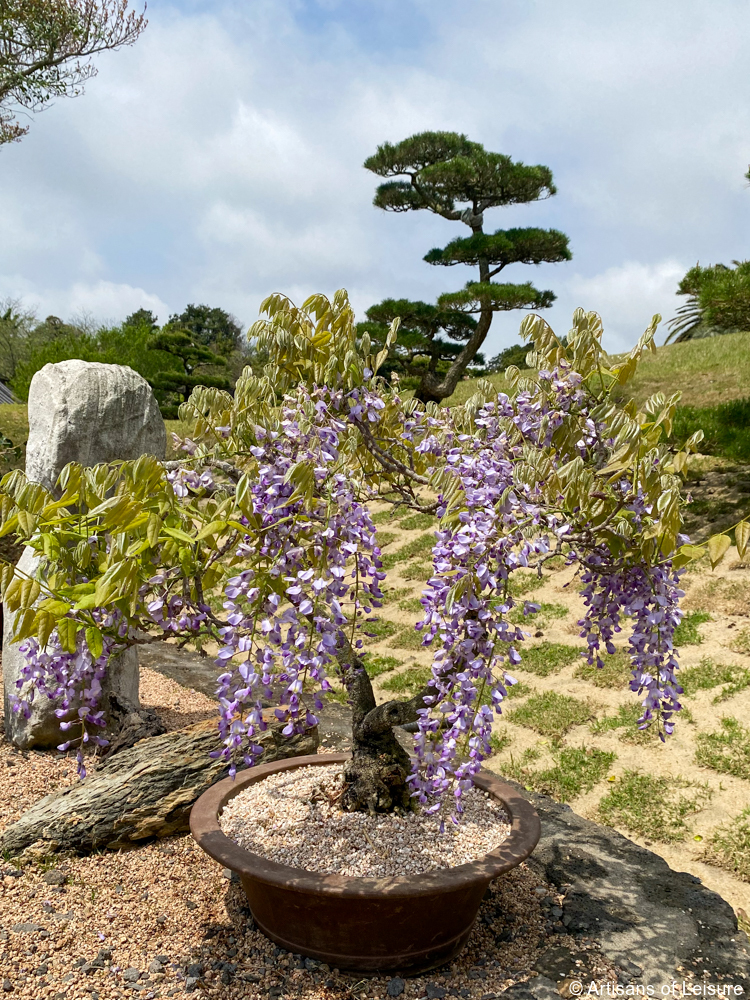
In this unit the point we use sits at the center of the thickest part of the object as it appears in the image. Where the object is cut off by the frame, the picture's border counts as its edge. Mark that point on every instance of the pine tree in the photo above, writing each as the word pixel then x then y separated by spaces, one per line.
pixel 459 180
pixel 426 338
pixel 194 359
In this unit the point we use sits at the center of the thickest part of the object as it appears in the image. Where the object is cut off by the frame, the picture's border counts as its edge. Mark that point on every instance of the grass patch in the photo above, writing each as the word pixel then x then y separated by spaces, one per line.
pixel 545 614
pixel 411 604
pixel 386 537
pixel 741 643
pixel 412 681
pixel 408 638
pixel 500 742
pixel 523 582
pixel 728 597
pixel 417 547
pixel 708 675
pixel 727 750
pixel 653 807
pixel 547 658
pixel 385 517
pixel 615 673
pixel 416 571
pixel 686 633
pixel 708 371
pixel 726 428
pixel 379 630
pixel 391 594
pixel 729 846
pixel 551 714
pixel 376 665
pixel 575 770
pixel 418 522
pixel 517 690
pixel 409 682
pixel 626 715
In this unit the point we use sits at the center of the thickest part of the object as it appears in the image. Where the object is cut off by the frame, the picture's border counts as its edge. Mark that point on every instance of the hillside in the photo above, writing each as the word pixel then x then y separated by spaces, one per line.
pixel 707 372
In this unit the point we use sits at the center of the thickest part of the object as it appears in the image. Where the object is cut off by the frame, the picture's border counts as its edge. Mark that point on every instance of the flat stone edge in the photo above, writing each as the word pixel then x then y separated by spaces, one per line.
pixel 695 929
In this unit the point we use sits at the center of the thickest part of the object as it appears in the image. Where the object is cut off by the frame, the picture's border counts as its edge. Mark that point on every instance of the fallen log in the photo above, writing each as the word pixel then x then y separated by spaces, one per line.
pixel 143 791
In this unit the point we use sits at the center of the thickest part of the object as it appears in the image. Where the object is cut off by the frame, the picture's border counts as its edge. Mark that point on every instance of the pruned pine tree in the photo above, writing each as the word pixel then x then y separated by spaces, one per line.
pixel 198 368
pixel 446 173
pixel 426 338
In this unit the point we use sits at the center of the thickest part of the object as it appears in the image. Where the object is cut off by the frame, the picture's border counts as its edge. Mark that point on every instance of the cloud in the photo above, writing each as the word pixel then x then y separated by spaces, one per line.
pixel 627 297
pixel 219 159
pixel 104 301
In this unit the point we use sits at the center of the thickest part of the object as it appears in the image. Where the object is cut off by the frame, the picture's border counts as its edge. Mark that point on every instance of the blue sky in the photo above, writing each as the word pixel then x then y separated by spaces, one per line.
pixel 219 159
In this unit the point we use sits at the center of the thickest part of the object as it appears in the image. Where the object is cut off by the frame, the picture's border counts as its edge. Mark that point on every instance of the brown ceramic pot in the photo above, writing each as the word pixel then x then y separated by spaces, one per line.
pixel 398 924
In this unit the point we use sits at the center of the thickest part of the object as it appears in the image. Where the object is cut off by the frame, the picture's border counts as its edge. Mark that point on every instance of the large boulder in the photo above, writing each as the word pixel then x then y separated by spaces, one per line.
pixel 80 411
pixel 87 412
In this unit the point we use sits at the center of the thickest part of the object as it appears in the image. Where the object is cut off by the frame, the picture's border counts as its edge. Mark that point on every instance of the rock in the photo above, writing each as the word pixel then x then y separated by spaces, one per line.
pixel 7 986
pixel 131 975
pixel 395 987
pixel 80 411
pixel 156 966
pixel 83 411
pixel 540 988
pixel 196 969
pixel 54 878
pixel 435 992
pixel 625 898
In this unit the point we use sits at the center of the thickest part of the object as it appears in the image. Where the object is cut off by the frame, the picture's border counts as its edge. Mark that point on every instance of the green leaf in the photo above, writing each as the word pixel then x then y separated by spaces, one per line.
pixel 94 642
pixel 211 529
pixel 179 535
pixel 153 529
pixel 45 623
pixel 742 537
pixel 687 554
pixel 67 633
pixel 717 547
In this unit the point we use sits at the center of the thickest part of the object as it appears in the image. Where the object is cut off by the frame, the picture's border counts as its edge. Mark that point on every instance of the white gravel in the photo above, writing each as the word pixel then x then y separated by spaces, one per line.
pixel 293 818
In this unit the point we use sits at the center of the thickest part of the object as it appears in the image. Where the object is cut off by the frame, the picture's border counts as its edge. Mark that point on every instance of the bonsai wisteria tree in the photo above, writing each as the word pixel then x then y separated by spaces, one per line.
pixel 261 538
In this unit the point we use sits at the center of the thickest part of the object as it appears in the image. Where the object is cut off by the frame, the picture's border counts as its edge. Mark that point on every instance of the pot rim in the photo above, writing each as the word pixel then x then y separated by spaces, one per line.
pixel 206 831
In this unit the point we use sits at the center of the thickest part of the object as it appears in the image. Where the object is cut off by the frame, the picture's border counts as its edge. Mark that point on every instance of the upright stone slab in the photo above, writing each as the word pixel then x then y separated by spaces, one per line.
pixel 80 411
pixel 83 411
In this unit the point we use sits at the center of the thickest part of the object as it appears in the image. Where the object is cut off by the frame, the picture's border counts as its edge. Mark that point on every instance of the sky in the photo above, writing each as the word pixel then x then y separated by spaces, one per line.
pixel 220 158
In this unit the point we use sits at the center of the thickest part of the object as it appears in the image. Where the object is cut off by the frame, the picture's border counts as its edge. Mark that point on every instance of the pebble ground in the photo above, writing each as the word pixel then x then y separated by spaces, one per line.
pixel 164 920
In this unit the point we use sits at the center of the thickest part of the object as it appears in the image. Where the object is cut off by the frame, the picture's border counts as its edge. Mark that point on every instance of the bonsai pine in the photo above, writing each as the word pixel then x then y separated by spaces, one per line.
pixel 459 180
pixel 197 364
pixel 426 338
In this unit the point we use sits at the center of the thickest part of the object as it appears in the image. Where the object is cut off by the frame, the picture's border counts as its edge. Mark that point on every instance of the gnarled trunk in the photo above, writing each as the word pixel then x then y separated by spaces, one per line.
pixel 375 777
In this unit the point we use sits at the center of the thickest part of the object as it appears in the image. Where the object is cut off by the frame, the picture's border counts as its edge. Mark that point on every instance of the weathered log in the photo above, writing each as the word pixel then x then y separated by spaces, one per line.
pixel 143 791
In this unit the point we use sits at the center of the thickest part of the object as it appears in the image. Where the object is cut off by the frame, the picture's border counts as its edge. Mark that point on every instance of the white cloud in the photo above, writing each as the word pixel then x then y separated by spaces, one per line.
pixel 219 159
pixel 109 301
pixel 627 297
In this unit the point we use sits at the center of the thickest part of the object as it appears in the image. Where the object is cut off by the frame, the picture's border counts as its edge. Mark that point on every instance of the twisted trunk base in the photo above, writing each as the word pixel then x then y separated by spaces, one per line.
pixel 375 777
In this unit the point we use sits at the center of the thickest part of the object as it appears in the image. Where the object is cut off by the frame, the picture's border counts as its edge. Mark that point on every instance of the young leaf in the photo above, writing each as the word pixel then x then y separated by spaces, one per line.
pixel 67 633
pixel 717 547
pixel 94 642
pixel 742 537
